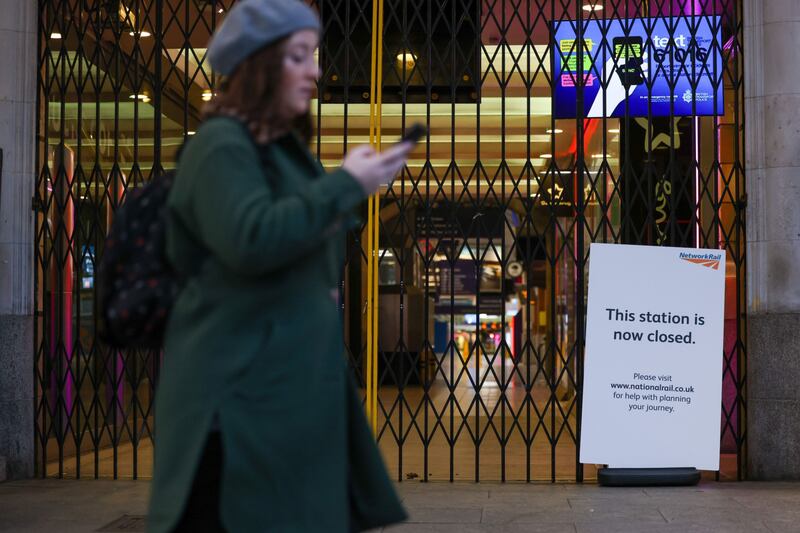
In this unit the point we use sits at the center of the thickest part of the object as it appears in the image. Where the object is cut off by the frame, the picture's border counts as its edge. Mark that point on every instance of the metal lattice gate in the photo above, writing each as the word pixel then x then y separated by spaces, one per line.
pixel 464 291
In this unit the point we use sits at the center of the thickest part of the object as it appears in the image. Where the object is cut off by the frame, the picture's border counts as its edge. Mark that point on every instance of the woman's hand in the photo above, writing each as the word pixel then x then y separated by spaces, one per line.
pixel 372 169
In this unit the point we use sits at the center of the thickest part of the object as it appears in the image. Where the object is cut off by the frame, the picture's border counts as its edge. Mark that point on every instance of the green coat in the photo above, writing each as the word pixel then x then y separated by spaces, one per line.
pixel 255 338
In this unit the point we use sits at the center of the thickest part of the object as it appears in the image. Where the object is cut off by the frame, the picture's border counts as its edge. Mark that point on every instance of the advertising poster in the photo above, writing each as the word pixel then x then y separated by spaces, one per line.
pixel 654 357
pixel 640 67
pixel 87 269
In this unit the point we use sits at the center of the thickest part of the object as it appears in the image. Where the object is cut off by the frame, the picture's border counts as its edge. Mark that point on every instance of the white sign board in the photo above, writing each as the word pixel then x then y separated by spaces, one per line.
pixel 652 390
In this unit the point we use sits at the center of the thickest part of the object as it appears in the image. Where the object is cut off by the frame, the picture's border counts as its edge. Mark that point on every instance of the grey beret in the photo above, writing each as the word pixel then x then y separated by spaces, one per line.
pixel 253 24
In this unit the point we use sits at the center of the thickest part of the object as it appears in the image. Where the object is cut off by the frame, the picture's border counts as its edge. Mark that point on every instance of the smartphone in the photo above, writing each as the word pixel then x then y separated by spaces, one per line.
pixel 628 51
pixel 414 133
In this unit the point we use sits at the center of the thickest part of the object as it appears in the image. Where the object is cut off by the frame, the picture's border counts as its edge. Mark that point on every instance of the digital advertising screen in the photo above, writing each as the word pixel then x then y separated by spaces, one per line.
pixel 640 67
pixel 87 276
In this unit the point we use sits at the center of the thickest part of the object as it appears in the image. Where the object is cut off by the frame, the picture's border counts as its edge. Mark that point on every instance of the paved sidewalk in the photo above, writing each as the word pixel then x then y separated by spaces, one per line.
pixel 87 506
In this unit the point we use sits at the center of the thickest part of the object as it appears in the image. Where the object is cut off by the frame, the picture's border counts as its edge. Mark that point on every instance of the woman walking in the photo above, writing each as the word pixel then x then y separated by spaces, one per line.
pixel 258 426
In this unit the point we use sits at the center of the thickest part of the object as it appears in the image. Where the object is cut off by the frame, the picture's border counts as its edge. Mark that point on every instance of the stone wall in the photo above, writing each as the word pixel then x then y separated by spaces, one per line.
pixel 18 26
pixel 772 100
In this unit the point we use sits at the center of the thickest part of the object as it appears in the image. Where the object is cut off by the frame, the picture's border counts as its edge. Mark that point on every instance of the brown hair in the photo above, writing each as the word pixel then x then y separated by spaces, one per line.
pixel 251 94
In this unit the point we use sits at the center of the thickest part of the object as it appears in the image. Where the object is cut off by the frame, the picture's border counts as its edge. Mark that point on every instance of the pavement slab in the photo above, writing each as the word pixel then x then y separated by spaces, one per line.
pixel 85 506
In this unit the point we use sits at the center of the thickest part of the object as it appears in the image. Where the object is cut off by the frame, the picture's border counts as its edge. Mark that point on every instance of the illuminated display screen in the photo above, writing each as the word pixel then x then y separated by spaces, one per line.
pixel 648 66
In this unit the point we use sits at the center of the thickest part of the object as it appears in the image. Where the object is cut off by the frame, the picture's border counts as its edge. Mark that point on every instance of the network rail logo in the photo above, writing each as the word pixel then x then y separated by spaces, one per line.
pixel 707 260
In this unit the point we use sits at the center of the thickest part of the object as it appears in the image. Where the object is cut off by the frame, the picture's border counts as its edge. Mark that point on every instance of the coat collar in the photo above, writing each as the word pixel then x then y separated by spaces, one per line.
pixel 294 144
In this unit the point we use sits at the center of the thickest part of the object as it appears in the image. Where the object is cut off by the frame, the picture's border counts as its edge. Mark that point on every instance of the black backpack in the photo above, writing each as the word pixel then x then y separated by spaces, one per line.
pixel 136 287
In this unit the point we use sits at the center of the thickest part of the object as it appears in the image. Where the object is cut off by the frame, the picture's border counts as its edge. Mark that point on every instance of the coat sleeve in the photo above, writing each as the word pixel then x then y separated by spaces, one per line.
pixel 250 230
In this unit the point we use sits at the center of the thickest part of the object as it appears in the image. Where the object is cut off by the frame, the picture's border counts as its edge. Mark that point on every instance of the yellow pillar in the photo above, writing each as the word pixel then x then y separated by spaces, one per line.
pixel 373 218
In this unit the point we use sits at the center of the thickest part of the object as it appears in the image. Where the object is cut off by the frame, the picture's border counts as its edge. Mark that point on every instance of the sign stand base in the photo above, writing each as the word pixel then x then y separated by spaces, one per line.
pixel 648 477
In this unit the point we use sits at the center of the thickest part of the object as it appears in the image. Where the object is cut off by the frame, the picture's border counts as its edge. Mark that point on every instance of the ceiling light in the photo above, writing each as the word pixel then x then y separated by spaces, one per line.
pixel 615 130
pixel 140 34
pixel 190 132
pixel 141 97
pixel 221 11
pixel 555 131
pixel 592 7
pixel 406 58
pixel 598 156
pixel 55 35
pixel 207 95
pixel 546 156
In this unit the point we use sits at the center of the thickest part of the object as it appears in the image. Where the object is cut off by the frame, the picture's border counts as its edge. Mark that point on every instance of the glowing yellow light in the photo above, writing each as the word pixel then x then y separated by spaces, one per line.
pixel 127 13
pixel 406 58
